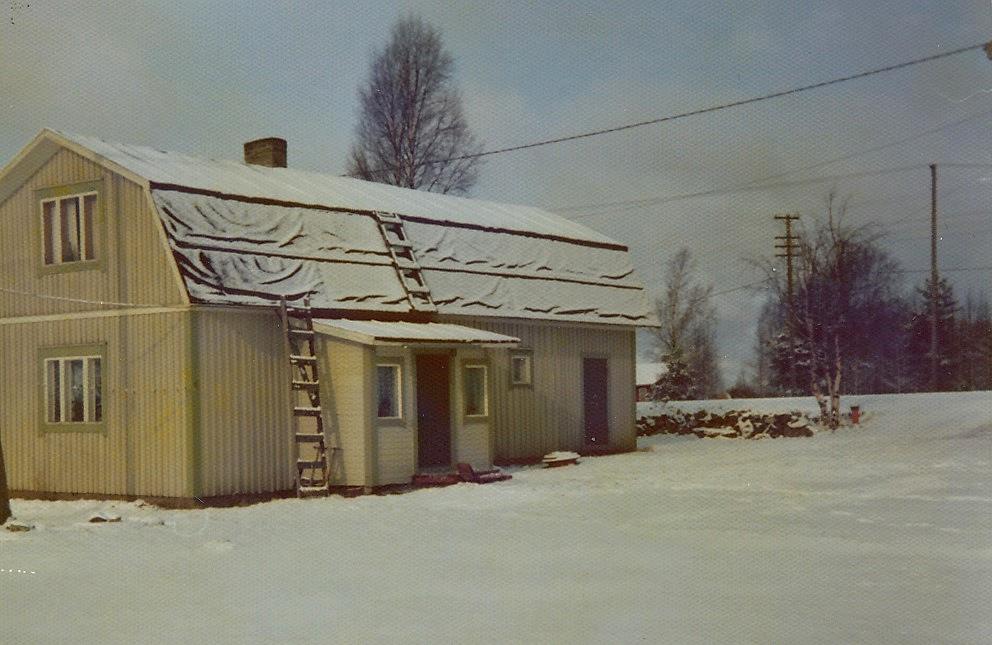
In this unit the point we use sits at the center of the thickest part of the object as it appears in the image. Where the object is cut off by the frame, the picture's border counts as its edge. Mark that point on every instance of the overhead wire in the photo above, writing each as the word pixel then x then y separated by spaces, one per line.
pixel 654 201
pixel 106 303
pixel 814 166
pixel 696 112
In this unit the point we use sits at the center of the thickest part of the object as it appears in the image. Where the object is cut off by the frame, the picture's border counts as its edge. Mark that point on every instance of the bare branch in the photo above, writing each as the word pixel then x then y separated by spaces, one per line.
pixel 410 116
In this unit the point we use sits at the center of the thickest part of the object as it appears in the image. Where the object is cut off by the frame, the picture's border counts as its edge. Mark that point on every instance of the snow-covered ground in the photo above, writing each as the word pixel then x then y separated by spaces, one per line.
pixel 875 534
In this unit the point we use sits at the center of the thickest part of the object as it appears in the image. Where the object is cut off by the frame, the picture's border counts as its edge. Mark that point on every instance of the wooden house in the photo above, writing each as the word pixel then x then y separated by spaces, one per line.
pixel 169 327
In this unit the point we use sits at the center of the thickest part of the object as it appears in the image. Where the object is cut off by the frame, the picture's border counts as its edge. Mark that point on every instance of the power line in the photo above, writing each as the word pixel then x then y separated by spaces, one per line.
pixel 737 288
pixel 954 270
pixel 821 164
pixel 653 201
pixel 697 112
pixel 107 303
pixel 966 165
pixel 633 204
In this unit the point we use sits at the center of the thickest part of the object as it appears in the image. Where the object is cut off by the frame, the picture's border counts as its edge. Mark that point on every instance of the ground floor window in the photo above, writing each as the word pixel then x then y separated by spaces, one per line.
pixel 388 392
pixel 476 388
pixel 72 387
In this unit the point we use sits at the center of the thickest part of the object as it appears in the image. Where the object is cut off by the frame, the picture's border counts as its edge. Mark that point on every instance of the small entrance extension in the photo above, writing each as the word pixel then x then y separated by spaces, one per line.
pixel 433 411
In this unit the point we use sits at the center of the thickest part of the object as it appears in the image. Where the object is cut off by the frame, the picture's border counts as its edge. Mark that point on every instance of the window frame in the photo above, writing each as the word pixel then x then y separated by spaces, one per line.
pixel 91 235
pixel 528 355
pixel 470 364
pixel 398 390
pixel 62 355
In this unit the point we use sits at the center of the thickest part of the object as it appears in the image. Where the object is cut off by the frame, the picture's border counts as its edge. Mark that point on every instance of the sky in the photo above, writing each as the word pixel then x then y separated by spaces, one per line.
pixel 204 77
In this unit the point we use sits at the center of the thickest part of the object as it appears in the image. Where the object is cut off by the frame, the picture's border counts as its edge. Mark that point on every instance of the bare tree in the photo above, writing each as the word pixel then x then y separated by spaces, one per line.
pixel 411 131
pixel 844 322
pixel 686 338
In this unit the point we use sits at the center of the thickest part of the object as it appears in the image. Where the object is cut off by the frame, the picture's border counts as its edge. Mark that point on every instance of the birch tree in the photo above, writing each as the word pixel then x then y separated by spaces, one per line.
pixel 686 339
pixel 843 324
pixel 411 130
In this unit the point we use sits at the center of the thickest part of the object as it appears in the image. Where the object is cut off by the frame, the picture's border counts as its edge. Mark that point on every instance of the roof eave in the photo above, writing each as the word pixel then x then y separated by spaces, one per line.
pixel 42 148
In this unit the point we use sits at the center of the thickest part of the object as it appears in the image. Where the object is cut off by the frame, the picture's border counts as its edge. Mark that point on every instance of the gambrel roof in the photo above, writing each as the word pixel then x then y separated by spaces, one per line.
pixel 245 234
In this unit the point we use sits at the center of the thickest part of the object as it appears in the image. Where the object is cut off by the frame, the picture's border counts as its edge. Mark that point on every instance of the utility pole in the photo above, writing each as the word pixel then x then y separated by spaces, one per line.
pixel 934 291
pixel 788 245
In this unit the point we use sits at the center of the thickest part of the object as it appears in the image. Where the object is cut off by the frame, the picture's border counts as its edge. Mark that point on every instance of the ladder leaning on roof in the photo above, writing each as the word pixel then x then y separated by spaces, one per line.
pixel 401 250
pixel 312 468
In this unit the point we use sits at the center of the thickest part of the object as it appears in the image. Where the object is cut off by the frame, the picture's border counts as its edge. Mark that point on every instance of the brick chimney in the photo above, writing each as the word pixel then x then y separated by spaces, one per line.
pixel 269 152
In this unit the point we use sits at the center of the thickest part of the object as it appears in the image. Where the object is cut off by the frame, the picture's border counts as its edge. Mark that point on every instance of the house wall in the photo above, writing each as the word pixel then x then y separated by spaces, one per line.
pixel 396 439
pixel 472 436
pixel 245 436
pixel 245 422
pixel 530 421
pixel 346 398
pixel 133 263
pixel 144 445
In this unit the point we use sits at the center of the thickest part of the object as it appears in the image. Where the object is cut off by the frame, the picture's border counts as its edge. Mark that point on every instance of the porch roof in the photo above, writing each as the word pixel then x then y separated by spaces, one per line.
pixel 378 332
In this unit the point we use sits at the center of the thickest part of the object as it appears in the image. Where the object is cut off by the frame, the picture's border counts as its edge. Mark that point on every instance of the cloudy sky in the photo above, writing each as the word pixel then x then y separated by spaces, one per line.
pixel 203 77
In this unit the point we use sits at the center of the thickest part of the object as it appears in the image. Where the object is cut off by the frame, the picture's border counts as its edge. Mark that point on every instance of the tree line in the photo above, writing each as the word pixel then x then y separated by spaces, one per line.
pixel 851 325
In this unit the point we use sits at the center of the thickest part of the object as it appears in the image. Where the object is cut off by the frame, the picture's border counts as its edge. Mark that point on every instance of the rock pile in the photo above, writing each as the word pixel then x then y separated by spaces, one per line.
pixel 735 424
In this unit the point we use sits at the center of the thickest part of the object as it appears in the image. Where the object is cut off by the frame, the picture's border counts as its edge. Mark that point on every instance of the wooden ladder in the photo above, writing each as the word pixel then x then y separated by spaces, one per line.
pixel 312 471
pixel 407 267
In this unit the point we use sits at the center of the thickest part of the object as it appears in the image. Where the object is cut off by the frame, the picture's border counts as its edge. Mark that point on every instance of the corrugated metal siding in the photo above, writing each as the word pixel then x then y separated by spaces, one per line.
pixel 346 398
pixel 245 432
pixel 472 445
pixel 532 421
pixel 143 451
pixel 472 438
pixel 396 455
pixel 396 441
pixel 129 238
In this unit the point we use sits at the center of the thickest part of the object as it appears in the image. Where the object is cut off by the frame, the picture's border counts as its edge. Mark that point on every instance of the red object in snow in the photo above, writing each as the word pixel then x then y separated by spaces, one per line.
pixel 468 474
pixel 435 479
pixel 855 414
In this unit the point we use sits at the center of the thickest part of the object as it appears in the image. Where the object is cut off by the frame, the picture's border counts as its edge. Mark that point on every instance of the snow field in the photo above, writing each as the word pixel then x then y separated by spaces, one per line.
pixel 876 534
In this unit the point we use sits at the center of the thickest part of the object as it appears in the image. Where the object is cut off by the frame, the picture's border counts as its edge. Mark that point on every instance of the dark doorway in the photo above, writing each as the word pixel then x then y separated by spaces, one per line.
pixel 594 388
pixel 433 410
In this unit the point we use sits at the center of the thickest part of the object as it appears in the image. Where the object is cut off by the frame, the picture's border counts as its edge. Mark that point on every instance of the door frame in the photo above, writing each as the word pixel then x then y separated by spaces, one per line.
pixel 582 378
pixel 450 354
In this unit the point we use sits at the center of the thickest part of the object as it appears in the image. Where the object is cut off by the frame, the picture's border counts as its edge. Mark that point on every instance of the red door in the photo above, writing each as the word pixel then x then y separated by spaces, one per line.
pixel 595 380
pixel 433 410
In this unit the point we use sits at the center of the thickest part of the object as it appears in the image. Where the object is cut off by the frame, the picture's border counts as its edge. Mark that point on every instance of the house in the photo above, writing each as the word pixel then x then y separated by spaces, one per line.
pixel 146 295
pixel 647 375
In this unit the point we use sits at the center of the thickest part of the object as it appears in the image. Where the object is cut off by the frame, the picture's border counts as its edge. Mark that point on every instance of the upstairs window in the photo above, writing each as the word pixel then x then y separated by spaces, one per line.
pixel 73 390
pixel 67 225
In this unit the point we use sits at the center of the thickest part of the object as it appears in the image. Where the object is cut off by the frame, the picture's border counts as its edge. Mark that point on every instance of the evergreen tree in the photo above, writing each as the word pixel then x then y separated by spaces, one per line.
pixel 676 384
pixel 919 329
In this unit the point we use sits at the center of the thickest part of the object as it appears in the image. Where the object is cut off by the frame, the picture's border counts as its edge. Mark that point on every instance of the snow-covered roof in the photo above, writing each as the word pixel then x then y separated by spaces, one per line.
pixel 304 187
pixel 250 235
pixel 376 332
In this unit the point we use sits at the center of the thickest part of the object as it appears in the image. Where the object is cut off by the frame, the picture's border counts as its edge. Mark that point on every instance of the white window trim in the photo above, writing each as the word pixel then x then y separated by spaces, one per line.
pixel 63 389
pixel 485 390
pixel 529 358
pixel 398 391
pixel 84 242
